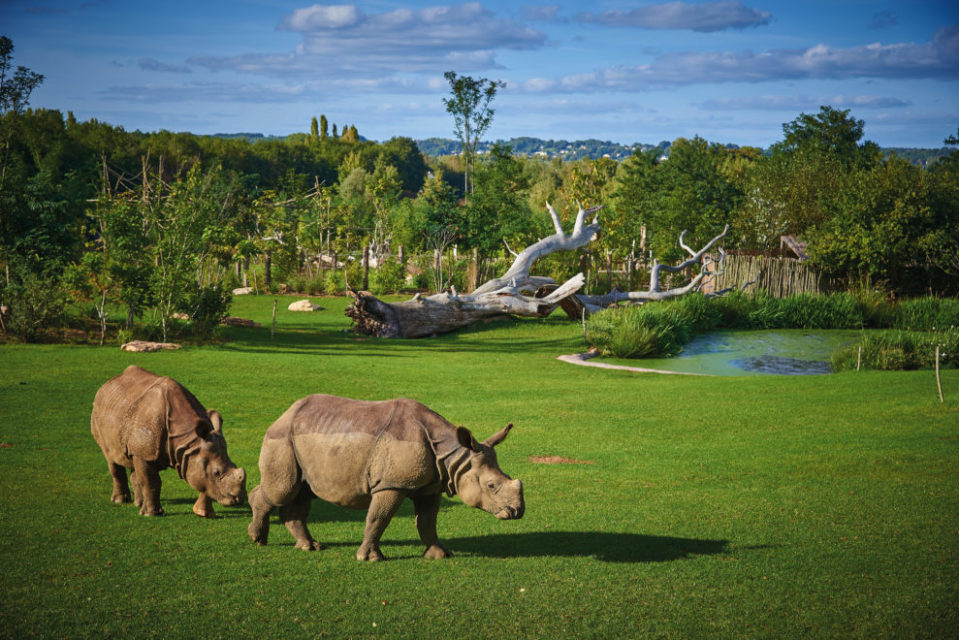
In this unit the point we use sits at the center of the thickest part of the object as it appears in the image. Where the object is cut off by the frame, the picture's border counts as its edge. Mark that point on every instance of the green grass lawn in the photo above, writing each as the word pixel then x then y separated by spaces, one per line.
pixel 780 506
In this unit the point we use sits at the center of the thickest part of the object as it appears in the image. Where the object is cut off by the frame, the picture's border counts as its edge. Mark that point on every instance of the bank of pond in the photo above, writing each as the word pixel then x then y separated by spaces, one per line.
pixel 800 335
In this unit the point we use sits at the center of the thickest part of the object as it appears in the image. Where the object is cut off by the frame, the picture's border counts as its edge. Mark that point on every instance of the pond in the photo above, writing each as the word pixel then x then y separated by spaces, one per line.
pixel 745 353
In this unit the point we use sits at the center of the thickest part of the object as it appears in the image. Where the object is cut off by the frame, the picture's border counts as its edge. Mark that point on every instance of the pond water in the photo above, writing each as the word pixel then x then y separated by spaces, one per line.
pixel 744 353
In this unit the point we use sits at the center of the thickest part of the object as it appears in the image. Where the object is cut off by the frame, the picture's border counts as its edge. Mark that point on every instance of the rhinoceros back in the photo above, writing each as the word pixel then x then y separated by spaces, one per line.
pixel 140 414
pixel 349 449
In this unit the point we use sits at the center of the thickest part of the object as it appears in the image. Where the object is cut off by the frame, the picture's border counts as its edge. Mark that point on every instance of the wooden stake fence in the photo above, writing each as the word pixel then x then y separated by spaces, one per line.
pixel 779 277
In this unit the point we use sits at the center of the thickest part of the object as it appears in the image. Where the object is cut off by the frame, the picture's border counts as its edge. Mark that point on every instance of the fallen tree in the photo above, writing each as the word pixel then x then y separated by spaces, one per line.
pixel 513 293
pixel 519 293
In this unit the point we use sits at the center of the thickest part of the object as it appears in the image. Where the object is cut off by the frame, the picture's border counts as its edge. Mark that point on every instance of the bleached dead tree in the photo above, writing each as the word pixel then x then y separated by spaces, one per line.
pixel 596 303
pixel 511 294
pixel 515 292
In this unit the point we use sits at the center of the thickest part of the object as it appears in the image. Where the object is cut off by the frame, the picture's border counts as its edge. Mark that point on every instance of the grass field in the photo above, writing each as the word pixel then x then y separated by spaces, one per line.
pixel 780 507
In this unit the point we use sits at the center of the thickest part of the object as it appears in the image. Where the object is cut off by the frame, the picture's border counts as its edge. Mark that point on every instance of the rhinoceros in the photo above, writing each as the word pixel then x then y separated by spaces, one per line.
pixel 147 423
pixel 372 455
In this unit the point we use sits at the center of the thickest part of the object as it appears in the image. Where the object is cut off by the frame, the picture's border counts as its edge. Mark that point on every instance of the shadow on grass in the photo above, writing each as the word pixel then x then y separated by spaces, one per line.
pixel 606 547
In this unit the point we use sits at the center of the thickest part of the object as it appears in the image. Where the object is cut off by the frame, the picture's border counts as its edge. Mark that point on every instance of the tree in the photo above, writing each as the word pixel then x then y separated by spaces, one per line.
pixel 314 129
pixel 324 127
pixel 15 89
pixel 472 114
pixel 831 132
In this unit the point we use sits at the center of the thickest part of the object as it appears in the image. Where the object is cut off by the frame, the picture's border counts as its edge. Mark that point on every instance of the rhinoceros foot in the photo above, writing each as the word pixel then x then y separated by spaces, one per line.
pixel 120 498
pixel 308 545
pixel 154 512
pixel 371 554
pixel 437 551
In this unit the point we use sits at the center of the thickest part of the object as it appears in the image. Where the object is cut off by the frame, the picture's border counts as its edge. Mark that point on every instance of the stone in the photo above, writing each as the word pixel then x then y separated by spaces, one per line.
pixel 304 305
pixel 142 346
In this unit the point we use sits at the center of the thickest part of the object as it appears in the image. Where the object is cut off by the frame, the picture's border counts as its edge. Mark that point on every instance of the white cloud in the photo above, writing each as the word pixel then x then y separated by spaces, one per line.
pixel 938 59
pixel 706 17
pixel 342 40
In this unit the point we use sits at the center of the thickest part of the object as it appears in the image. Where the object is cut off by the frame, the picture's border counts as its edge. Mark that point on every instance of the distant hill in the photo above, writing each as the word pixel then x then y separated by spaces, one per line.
pixel 565 149
pixel 592 148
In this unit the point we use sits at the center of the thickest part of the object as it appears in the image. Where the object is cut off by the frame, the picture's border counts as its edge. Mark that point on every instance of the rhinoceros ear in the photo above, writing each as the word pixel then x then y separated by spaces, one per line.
pixel 498 437
pixel 465 438
pixel 216 420
pixel 203 428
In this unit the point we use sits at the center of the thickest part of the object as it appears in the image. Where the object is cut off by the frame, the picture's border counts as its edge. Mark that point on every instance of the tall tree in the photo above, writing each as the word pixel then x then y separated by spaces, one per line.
pixel 15 86
pixel 314 129
pixel 472 114
pixel 324 127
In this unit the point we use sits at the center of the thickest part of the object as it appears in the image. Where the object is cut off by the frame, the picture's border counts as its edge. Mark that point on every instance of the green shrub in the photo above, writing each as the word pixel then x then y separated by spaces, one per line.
pixel 640 331
pixel 927 314
pixel 207 306
pixel 389 277
pixel 333 283
pixel 35 303
pixel 900 350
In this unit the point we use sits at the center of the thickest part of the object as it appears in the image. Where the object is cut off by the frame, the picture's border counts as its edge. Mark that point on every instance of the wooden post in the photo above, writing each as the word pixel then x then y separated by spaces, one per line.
pixel 938 379
pixel 366 268
pixel 859 359
pixel 273 326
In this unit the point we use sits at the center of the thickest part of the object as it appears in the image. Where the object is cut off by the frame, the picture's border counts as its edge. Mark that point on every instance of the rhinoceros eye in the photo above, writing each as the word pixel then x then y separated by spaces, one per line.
pixel 491 485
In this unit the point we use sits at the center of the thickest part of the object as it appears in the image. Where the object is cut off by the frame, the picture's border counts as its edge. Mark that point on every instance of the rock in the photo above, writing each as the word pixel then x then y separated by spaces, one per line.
pixel 242 291
pixel 239 322
pixel 138 346
pixel 181 316
pixel 304 305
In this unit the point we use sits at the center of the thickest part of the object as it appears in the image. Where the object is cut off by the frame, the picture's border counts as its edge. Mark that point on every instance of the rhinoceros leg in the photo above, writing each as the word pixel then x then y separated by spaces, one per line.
pixel 147 487
pixel 259 528
pixel 426 508
pixel 294 516
pixel 382 508
pixel 203 506
pixel 121 490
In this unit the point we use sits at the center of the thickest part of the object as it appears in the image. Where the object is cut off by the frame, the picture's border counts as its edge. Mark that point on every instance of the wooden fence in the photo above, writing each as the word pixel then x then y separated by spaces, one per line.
pixel 780 277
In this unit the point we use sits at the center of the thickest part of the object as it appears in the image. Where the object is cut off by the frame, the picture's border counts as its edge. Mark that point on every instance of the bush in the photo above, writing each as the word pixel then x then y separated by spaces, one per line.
pixel 646 331
pixel 333 283
pixel 207 306
pixel 901 350
pixel 927 314
pixel 389 277
pixel 35 302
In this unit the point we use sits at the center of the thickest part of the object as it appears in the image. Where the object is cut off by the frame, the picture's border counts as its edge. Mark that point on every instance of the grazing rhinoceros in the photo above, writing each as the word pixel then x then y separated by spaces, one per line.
pixel 147 423
pixel 372 455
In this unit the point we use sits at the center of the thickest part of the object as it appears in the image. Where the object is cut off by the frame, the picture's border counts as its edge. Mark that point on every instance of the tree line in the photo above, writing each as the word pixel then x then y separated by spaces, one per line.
pixel 167 222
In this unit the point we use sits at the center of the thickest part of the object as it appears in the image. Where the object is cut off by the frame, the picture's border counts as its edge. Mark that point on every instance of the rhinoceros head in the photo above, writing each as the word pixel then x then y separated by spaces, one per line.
pixel 209 469
pixel 483 485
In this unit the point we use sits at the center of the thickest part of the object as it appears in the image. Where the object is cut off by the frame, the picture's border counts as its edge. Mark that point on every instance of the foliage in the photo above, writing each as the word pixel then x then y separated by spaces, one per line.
pixel 35 302
pixel 472 114
pixel 900 350
pixel 388 277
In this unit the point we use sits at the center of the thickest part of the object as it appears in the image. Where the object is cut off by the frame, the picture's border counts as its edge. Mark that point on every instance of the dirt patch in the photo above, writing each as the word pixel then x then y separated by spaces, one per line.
pixel 557 460
pixel 5 445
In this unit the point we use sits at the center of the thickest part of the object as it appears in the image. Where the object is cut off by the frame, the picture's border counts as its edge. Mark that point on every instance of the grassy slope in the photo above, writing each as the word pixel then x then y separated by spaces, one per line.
pixel 726 507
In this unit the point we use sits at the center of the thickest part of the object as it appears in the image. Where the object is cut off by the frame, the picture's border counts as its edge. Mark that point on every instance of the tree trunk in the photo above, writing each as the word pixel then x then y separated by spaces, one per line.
pixel 514 293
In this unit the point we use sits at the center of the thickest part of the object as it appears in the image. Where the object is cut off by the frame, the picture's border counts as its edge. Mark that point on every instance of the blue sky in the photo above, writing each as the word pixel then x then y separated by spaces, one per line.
pixel 728 71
